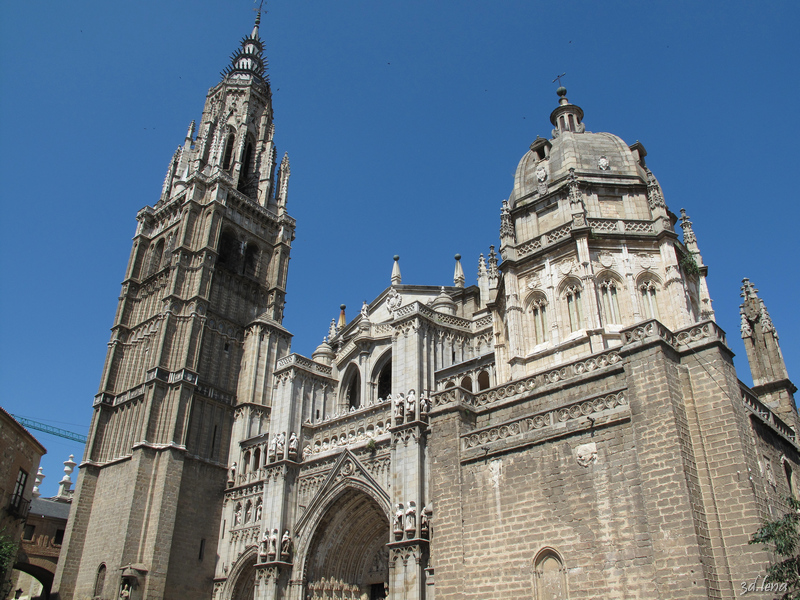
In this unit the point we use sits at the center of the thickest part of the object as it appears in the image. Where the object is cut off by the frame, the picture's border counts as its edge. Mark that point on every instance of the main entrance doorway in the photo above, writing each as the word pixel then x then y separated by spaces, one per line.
pixel 348 556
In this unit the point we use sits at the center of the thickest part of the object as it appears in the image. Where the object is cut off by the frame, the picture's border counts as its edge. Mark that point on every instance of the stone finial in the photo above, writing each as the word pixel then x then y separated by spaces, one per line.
pixel 342 317
pixel 65 485
pixel 688 232
pixel 481 265
pixel 397 279
pixel 506 224
pixel 332 329
pixel 458 276
pixel 190 132
pixel 655 196
pixel 493 271
pixel 37 482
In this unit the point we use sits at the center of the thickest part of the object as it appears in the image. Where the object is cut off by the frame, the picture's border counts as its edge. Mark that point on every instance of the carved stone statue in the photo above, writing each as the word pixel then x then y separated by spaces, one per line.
pixel 237 515
pixel 280 445
pixel 273 544
pixel 286 547
pixel 424 405
pixel 411 519
pixel 272 448
pixel 232 475
pixel 125 591
pixel 425 521
pixel 259 508
pixel 399 407
pixel 411 406
pixel 364 310
pixel 263 548
pixel 398 519
pixel 294 444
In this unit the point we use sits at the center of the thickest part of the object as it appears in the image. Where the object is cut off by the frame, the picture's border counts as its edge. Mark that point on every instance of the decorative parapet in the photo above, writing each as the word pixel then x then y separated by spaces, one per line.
pixel 553 236
pixel 701 333
pixel 685 339
pixel 523 387
pixel 538 427
pixel 295 360
pixel 759 410
pixel 352 430
pixel 419 309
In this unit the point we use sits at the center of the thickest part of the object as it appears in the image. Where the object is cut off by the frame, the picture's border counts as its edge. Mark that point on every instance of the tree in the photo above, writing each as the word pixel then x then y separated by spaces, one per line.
pixel 782 537
pixel 8 556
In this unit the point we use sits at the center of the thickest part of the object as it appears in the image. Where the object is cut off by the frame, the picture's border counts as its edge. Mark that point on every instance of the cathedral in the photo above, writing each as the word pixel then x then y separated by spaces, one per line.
pixel 571 426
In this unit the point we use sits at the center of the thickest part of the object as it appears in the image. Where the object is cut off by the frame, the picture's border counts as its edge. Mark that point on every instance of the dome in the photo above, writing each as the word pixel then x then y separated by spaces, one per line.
pixel 324 353
pixel 548 162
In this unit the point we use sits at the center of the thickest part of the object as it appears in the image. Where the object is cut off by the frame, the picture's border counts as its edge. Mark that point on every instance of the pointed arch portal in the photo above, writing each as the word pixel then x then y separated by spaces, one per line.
pixel 348 550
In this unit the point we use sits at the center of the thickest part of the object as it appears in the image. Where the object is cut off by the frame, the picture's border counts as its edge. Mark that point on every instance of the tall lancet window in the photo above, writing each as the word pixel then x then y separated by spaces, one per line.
pixel 573 297
pixel 610 301
pixel 537 311
pixel 647 291
pixel 227 155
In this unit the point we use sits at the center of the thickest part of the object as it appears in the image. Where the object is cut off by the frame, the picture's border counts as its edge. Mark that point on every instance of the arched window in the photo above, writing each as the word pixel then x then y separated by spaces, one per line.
pixel 257 459
pixel 247 159
pixel 246 462
pixel 251 255
pixel 385 380
pixel 610 301
pixel 100 580
pixel 537 314
pixel 466 383
pixel 550 576
pixel 352 388
pixel 647 293
pixel 227 155
pixel 483 381
pixel 155 257
pixel 787 469
pixel 572 295
pixel 228 253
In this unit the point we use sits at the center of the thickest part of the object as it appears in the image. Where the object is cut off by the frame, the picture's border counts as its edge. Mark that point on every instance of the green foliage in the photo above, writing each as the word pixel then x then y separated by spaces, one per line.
pixel 782 537
pixel 8 556
pixel 689 265
pixel 371 445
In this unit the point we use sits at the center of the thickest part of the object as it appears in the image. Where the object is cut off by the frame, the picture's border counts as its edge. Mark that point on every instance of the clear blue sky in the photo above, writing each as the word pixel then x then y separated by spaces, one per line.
pixel 404 123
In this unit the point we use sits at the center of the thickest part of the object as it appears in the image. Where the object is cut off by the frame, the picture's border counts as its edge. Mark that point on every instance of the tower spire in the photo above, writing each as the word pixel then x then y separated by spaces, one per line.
pixel 248 61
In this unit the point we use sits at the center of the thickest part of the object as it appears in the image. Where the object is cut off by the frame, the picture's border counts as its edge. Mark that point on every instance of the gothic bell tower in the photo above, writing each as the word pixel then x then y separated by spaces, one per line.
pixel 207 271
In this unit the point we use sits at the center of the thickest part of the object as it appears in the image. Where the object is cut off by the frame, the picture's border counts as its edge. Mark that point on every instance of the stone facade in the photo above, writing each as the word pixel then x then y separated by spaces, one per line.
pixel 21 453
pixel 570 427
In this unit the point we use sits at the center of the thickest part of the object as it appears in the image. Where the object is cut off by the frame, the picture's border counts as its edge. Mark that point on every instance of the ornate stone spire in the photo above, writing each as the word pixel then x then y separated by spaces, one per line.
pixel 507 235
pixel 248 61
pixel 458 276
pixel 397 279
pixel 688 232
pixel 770 378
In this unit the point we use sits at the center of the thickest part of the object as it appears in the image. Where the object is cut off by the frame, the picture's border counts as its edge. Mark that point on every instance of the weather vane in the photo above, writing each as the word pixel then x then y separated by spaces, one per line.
pixel 260 6
pixel 558 79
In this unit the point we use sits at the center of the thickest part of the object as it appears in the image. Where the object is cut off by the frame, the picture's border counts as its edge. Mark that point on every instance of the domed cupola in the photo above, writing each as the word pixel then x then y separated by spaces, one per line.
pixel 443 303
pixel 567 117
pixel 545 168
pixel 248 61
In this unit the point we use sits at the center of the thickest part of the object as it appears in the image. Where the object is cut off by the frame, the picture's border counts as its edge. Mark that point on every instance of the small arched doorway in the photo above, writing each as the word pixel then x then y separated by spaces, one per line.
pixel 348 552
